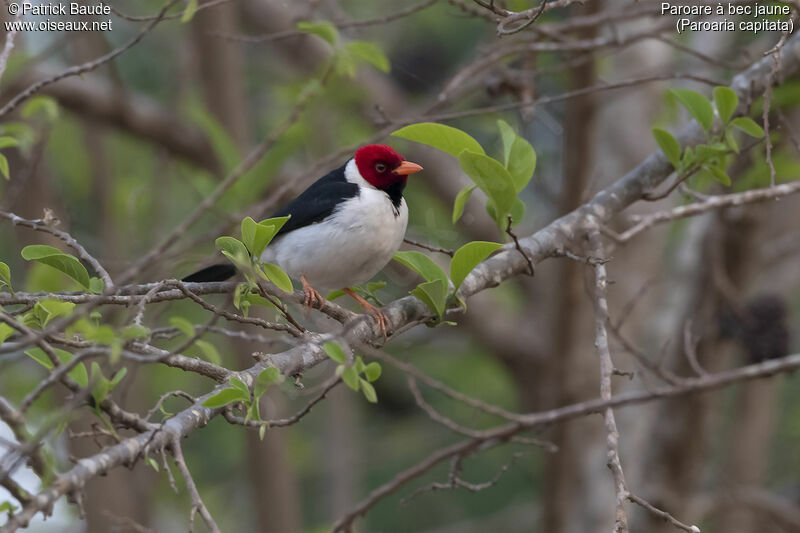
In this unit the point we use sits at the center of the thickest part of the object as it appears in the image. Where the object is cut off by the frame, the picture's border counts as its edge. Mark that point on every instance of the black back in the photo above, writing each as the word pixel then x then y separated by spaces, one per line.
pixel 318 201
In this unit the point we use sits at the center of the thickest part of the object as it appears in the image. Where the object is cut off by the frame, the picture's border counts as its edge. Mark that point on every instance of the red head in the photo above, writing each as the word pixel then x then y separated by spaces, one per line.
pixel 382 167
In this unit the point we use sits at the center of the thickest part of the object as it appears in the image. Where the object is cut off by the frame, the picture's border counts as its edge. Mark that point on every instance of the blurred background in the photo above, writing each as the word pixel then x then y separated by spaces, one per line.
pixel 137 144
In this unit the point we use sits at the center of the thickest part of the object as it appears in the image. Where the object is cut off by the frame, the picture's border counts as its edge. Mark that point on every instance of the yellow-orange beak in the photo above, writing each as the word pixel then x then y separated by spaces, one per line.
pixel 407 167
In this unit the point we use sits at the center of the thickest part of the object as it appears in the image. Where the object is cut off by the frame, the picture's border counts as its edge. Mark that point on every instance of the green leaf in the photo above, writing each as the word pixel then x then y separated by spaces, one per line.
pixel 50 309
pixel 335 352
pixel 373 371
pixel 96 285
pixel 262 431
pixel 493 179
pixel 7 142
pixel 433 294
pixel 185 327
pixel 517 212
pixel 57 259
pixel 422 265
pixel 239 385
pixel 4 167
pixel 121 373
pixel 134 332
pixel 78 373
pixel 225 397
pixel 323 29
pixel 44 104
pixel 508 135
pixel 350 377
pixel 444 138
pixel 7 507
pixel 38 355
pixel 698 106
pixel 5 332
pixel 266 378
pixel 461 201
pixel 5 276
pixel 256 236
pixel 669 145
pixel 726 101
pixel 371 53
pixel 188 13
pixel 730 140
pixel 152 462
pixel 209 351
pixel 467 257
pixel 519 157
pixel 278 277
pixel 368 390
pixel 749 126
pixel 373 286
pixel 338 293
pixel 233 249
pixel 719 174
pixel 100 385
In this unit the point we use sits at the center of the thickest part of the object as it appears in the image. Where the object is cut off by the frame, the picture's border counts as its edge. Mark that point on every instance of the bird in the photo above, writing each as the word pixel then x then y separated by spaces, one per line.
pixel 342 230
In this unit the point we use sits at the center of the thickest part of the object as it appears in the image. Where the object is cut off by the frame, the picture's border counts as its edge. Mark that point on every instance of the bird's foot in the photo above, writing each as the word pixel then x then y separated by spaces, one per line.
pixel 379 316
pixel 312 297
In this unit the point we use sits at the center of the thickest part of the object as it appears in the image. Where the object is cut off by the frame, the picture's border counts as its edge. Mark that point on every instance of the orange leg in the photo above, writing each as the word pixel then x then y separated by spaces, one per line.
pixel 313 298
pixel 379 316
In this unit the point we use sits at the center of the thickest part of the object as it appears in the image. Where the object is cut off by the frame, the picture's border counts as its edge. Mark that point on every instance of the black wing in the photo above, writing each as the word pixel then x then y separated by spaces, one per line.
pixel 318 201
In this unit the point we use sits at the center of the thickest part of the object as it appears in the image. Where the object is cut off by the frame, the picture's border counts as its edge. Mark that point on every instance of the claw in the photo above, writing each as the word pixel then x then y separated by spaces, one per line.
pixel 312 297
pixel 379 316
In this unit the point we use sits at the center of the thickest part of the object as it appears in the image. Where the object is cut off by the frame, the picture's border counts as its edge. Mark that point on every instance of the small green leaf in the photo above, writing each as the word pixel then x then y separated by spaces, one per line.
pixel 96 285
pixel 422 265
pixel 669 145
pixel 517 212
pixel 185 327
pixel 335 294
pixel 467 257
pixel 370 53
pixel 749 126
pixel 350 377
pixel 719 174
pixel 152 462
pixel 266 378
pixel 519 157
pixel 278 277
pixel 493 179
pixel 225 397
pixel 373 371
pixel 262 431
pixel 188 13
pixel 433 294
pixel 134 332
pixel 7 142
pixel 368 390
pixel 461 201
pixel 698 106
pixel 5 276
pixel 233 249
pixel 209 351
pixel 78 373
pixel 726 101
pixel 100 385
pixel 45 104
pixel 335 352
pixel 50 309
pixel 239 385
pixel 8 507
pixel 730 140
pixel 322 29
pixel 273 226
pixel 121 373
pixel 373 286
pixel 444 138
pixel 4 169
pixel 57 259
pixel 38 355
pixel 5 332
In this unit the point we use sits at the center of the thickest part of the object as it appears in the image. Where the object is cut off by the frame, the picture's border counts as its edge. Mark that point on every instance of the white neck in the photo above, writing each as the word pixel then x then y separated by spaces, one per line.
pixel 352 175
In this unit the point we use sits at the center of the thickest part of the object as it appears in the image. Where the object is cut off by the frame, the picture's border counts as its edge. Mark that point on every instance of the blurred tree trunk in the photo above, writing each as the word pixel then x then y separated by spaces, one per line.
pixel 683 428
pixel 220 70
pixel 572 369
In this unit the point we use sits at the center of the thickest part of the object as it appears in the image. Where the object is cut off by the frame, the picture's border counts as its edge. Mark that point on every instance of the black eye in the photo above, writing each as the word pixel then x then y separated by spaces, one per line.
pixel 380 167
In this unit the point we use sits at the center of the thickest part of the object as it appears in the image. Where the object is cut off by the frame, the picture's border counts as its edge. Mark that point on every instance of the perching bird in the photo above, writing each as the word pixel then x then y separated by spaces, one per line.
pixel 343 229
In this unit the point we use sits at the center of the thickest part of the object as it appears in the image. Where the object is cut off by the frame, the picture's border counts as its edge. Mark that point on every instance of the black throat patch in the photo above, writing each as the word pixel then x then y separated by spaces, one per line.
pixel 395 193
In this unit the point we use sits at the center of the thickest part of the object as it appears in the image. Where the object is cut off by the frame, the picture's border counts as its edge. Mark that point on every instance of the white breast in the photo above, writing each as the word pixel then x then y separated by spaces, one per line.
pixel 349 247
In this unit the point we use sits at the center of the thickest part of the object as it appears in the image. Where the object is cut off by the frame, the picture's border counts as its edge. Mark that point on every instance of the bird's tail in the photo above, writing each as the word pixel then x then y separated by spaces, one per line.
pixel 218 272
